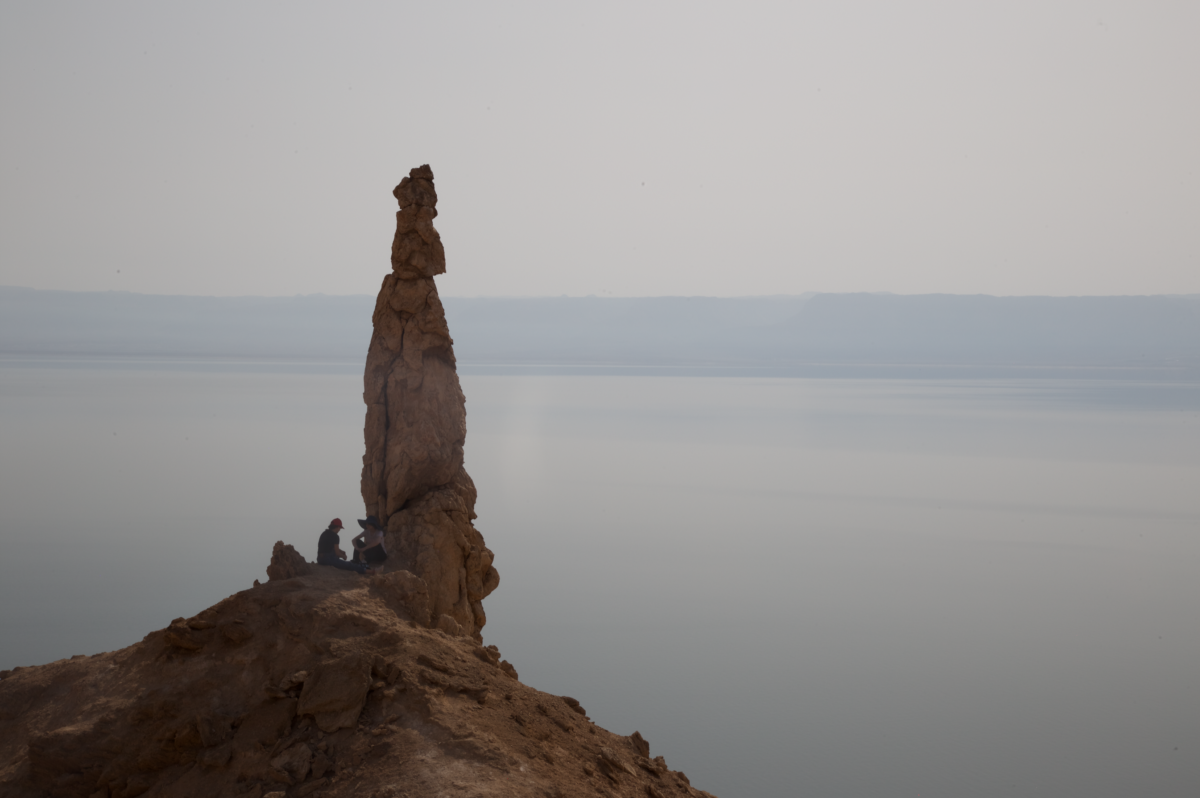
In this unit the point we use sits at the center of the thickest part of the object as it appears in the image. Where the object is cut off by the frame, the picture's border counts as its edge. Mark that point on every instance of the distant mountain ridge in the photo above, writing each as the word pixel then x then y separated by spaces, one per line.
pixel 123 323
pixel 779 332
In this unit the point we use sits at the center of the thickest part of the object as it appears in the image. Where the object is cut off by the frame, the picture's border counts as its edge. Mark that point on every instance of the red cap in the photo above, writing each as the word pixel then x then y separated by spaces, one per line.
pixel 336 524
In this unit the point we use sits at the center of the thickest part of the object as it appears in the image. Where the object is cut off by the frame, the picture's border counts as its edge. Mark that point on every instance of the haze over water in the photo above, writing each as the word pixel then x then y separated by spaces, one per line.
pixel 789 586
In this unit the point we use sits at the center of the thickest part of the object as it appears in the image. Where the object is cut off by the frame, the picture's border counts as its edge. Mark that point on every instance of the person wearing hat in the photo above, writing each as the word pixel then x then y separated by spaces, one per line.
pixel 368 544
pixel 329 550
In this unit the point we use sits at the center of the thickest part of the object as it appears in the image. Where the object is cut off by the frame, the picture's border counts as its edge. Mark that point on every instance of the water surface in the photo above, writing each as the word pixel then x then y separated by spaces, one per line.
pixel 790 586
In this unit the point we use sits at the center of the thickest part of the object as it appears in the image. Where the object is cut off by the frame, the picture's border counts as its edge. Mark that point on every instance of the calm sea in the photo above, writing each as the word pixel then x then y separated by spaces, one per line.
pixel 812 587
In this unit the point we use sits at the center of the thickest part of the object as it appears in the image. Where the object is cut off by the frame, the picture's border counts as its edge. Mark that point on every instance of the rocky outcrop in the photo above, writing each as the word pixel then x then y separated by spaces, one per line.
pixel 286 562
pixel 413 478
pixel 328 683
pixel 321 684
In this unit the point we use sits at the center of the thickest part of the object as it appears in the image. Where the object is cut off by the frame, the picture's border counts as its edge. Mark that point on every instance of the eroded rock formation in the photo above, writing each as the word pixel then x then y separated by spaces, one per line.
pixel 320 685
pixel 413 478
pixel 286 562
pixel 326 684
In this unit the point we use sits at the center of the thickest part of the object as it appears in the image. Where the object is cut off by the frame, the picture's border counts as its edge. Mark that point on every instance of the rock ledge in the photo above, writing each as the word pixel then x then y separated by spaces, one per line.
pixel 321 684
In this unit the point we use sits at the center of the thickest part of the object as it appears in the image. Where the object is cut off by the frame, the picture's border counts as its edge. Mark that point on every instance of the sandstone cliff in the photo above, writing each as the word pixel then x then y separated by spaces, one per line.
pixel 413 478
pixel 324 683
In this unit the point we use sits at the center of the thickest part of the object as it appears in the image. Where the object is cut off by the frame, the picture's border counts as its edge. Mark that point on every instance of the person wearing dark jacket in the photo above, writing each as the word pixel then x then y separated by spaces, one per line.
pixel 329 550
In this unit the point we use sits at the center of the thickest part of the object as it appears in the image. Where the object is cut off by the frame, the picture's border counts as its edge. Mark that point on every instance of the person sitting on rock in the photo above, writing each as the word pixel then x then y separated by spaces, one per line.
pixel 329 550
pixel 368 544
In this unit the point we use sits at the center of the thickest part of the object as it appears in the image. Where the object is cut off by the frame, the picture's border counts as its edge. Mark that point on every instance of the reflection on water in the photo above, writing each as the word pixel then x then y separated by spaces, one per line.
pixel 821 587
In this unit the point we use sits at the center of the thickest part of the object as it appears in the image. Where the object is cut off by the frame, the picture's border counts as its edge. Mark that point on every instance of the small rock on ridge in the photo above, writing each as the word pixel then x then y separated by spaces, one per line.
pixel 286 563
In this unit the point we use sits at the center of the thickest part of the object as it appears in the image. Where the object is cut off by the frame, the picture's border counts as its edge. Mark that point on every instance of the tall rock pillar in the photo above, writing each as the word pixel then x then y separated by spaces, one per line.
pixel 413 478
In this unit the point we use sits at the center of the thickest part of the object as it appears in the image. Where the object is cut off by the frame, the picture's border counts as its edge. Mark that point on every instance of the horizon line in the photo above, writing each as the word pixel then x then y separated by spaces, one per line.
pixel 805 295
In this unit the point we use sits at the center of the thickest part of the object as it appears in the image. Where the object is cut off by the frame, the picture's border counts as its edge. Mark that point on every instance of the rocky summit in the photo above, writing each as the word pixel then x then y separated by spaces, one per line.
pixel 324 682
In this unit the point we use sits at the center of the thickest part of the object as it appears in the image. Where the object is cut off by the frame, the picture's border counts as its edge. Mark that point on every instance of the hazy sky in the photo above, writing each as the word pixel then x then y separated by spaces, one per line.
pixel 618 148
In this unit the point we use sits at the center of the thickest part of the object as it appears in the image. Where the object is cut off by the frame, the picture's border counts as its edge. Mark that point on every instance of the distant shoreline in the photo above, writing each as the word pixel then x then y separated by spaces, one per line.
pixel 814 335
pixel 258 365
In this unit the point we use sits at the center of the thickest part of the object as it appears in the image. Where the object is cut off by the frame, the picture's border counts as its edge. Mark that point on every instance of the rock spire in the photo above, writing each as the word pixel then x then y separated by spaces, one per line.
pixel 413 478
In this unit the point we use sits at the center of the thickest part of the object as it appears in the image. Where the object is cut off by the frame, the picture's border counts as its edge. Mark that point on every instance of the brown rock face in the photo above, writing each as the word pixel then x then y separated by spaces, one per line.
pixel 330 688
pixel 286 562
pixel 413 478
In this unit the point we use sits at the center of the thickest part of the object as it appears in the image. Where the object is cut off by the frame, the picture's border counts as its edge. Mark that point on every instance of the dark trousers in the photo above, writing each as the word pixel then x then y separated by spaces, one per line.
pixel 332 559
pixel 373 556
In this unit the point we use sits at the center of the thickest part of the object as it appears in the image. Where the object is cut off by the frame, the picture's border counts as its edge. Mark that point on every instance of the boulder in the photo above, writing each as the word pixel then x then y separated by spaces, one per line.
pixel 286 563
pixel 293 763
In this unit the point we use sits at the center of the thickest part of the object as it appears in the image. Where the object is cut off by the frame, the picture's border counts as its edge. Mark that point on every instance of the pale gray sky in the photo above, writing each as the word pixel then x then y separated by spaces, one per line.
pixel 619 148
